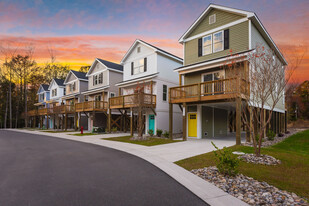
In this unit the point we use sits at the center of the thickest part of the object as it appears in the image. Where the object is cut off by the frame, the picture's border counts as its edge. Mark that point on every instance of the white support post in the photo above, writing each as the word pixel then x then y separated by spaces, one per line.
pixel 199 121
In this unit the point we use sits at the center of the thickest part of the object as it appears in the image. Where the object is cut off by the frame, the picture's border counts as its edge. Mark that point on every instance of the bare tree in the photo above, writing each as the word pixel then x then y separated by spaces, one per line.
pixel 267 77
pixel 7 52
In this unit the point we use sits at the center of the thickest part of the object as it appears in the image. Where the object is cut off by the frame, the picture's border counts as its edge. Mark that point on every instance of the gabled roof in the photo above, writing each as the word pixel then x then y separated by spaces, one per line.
pixel 156 49
pixel 59 82
pixel 78 75
pixel 111 65
pixel 247 14
pixel 44 87
pixel 107 64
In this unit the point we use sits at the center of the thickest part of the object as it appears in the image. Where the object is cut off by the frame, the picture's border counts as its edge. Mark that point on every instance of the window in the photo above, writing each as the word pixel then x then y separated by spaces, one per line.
pixel 100 78
pixel 97 98
pixel 41 97
pixel 164 92
pixel 112 94
pixel 212 19
pixel 54 92
pixel 215 87
pixel 138 66
pixel 95 79
pixel 72 87
pixel 138 49
pixel 64 90
pixel 207 45
pixel 218 41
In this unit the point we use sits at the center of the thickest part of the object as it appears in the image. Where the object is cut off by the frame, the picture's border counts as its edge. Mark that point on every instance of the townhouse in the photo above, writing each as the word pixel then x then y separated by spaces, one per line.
pixel 148 68
pixel 210 95
pixel 102 77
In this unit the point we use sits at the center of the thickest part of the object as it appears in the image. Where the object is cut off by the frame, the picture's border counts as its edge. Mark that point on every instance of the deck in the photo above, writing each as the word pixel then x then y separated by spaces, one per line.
pixel 91 106
pixel 133 100
pixel 209 91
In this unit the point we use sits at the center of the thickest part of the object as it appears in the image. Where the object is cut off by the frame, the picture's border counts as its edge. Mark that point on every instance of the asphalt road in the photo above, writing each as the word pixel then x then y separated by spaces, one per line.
pixel 42 170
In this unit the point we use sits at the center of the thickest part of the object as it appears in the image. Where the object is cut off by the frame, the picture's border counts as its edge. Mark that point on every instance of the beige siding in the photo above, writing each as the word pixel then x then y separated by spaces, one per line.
pixel 222 18
pixel 239 41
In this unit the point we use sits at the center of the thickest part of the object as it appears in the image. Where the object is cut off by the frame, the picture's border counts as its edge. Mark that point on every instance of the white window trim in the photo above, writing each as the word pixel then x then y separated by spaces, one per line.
pixel 222 41
pixel 210 44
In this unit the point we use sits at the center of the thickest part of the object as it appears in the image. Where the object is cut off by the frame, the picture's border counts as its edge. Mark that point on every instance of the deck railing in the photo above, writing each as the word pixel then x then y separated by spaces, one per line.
pixel 91 106
pixel 42 111
pixel 211 90
pixel 133 100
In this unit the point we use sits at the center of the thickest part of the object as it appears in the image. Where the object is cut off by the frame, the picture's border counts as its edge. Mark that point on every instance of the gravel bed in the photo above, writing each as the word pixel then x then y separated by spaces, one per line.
pixel 248 189
pixel 268 143
pixel 262 159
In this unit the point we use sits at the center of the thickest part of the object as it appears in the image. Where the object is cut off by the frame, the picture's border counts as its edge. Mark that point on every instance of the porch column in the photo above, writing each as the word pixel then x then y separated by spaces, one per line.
pixel 109 120
pixel 238 121
pixel 47 122
pixel 34 121
pixel 79 118
pixel 250 119
pixel 66 122
pixel 199 122
pixel 171 120
pixel 184 122
pixel 131 121
pixel 285 122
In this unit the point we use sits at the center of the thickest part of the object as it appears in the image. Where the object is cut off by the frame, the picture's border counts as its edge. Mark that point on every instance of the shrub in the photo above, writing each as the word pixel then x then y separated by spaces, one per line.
pixel 166 134
pixel 271 135
pixel 159 132
pixel 114 129
pixel 150 132
pixel 280 134
pixel 227 162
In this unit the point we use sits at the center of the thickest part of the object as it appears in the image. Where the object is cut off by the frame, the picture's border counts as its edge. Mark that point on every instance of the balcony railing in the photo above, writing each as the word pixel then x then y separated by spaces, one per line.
pixel 62 109
pixel 212 90
pixel 133 100
pixel 91 106
pixel 42 111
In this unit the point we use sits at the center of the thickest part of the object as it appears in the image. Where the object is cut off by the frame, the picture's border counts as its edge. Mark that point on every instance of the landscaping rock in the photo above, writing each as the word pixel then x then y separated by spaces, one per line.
pixel 262 159
pixel 268 143
pixel 248 189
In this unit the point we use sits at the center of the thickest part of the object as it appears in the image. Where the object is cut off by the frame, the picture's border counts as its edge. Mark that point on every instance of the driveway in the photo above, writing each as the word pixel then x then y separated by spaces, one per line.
pixel 42 170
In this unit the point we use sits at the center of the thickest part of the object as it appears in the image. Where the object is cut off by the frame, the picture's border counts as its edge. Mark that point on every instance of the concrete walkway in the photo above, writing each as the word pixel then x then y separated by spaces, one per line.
pixel 163 156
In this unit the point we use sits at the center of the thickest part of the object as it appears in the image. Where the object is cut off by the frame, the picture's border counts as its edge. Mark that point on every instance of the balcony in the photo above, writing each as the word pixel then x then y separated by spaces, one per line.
pixel 42 111
pixel 64 109
pixel 133 100
pixel 91 106
pixel 210 91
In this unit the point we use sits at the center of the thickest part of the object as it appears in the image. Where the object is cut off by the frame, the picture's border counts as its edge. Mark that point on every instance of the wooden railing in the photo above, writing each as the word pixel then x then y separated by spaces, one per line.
pixel 62 109
pixel 32 112
pixel 212 90
pixel 91 106
pixel 42 111
pixel 133 100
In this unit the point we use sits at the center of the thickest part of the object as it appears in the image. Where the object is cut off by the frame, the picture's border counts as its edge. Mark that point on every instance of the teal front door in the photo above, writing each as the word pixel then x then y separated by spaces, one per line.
pixel 152 122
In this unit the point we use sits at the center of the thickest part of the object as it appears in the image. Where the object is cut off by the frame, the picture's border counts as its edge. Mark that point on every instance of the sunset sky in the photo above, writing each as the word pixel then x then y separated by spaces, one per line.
pixel 79 30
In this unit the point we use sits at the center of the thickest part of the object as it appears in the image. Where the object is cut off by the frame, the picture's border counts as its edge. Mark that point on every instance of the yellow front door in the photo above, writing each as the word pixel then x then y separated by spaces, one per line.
pixel 192 126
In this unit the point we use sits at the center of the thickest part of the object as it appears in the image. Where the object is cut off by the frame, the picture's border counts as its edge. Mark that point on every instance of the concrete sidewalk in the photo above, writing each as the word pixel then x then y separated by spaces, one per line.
pixel 163 156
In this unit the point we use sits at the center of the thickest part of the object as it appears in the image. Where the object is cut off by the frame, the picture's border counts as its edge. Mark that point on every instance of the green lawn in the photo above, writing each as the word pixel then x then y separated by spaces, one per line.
pixel 152 141
pixel 291 175
pixel 84 134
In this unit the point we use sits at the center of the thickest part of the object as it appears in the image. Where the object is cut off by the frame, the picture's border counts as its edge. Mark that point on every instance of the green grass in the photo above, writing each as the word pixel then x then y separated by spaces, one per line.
pixel 152 141
pixel 84 134
pixel 291 175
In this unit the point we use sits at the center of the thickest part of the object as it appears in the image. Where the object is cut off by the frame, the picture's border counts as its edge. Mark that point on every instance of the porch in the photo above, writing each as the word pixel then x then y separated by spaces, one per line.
pixel 90 106
pixel 133 100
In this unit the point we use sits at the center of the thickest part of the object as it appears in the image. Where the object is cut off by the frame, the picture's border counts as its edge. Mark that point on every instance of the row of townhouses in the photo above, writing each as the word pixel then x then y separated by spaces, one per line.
pixel 191 96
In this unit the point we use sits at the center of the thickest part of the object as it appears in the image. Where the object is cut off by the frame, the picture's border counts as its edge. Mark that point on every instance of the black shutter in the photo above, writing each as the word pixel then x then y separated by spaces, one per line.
pixel 226 39
pixel 200 47
pixel 132 67
pixel 145 64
